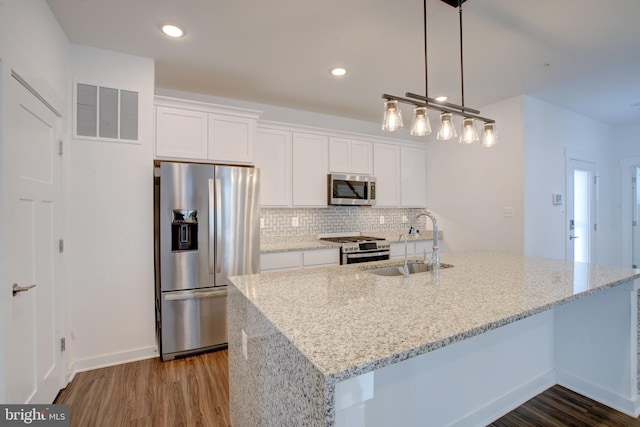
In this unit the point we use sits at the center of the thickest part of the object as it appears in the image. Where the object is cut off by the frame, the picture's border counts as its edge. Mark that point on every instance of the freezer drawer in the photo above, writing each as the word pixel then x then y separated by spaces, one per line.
pixel 193 320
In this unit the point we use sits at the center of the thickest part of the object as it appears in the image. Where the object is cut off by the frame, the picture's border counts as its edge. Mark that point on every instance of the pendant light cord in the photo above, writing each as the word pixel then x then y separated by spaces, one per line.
pixel 426 78
pixel 461 60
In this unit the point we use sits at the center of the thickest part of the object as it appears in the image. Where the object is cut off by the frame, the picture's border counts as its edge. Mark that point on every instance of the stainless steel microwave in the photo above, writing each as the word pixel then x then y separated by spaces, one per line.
pixel 352 190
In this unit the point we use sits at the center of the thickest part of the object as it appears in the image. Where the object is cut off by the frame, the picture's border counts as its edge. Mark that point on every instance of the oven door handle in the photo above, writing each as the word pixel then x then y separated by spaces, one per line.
pixel 367 254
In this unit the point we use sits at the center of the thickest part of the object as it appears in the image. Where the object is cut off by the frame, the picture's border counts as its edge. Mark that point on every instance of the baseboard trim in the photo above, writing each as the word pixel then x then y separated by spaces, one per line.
pixel 629 406
pixel 510 401
pixel 106 360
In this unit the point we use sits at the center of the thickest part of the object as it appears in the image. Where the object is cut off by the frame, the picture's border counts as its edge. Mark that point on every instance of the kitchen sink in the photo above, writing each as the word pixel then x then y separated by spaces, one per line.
pixel 396 270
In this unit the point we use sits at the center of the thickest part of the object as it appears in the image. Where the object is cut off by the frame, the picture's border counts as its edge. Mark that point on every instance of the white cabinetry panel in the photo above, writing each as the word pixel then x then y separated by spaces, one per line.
pixel 386 169
pixel 361 157
pixel 310 168
pixel 273 158
pixel 181 133
pixel 350 156
pixel 200 131
pixel 231 139
pixel 413 180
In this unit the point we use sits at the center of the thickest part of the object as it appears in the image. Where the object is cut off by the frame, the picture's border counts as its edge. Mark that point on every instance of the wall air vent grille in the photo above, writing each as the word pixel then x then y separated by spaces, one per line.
pixel 105 113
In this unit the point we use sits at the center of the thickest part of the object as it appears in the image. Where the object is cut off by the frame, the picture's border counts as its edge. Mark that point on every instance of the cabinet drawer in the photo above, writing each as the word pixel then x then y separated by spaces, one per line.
pixel 280 261
pixel 321 257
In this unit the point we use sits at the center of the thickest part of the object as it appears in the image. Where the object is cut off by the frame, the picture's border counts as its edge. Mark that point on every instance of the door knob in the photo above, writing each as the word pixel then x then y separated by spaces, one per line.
pixel 573 237
pixel 17 288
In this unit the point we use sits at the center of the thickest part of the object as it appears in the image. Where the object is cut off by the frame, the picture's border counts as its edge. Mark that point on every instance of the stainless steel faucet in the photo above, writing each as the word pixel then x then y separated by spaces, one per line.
pixel 435 256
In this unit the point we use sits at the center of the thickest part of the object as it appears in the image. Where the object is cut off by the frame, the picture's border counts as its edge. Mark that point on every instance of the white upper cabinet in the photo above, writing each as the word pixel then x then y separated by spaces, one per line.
pixel 200 131
pixel 413 181
pixel 273 158
pixel 349 156
pixel 310 169
pixel 361 157
pixel 231 139
pixel 181 133
pixel 386 169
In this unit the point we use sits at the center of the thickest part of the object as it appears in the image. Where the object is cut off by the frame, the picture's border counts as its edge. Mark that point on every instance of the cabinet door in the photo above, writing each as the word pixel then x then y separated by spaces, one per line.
pixel 386 168
pixel 413 182
pixel 231 139
pixel 361 157
pixel 339 155
pixel 273 158
pixel 310 168
pixel 181 133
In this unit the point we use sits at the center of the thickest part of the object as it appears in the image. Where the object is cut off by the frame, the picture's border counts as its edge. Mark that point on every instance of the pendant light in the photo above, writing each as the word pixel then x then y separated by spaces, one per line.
pixel 447 127
pixel 421 125
pixel 489 135
pixel 392 116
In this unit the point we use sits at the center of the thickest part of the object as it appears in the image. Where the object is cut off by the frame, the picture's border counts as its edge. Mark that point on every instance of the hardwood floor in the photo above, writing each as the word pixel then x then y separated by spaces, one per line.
pixel 560 407
pixel 194 391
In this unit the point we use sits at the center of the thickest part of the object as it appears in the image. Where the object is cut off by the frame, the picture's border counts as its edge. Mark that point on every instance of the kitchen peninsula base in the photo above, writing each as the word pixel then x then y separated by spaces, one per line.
pixel 584 338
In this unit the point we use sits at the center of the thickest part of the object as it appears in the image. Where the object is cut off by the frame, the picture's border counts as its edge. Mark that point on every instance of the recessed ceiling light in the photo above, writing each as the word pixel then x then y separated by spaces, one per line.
pixel 338 72
pixel 440 98
pixel 172 30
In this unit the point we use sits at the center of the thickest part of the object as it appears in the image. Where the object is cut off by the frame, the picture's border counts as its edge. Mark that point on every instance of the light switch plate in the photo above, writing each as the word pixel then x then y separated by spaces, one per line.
pixel 294 221
pixel 381 219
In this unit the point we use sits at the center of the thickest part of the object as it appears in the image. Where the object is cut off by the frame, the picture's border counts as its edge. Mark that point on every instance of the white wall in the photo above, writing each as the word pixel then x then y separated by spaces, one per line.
pixel 549 132
pixel 33 44
pixel 468 186
pixel 111 289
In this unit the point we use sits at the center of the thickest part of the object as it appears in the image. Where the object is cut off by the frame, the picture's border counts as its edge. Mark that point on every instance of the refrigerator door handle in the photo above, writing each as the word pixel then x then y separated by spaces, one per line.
pixel 195 295
pixel 211 233
pixel 218 226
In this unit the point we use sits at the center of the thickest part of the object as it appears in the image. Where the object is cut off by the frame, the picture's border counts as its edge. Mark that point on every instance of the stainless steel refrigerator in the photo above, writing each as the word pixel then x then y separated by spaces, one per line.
pixel 207 228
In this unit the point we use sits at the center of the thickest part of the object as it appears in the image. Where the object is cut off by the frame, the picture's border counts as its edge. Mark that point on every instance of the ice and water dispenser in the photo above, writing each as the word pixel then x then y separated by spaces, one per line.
pixel 184 230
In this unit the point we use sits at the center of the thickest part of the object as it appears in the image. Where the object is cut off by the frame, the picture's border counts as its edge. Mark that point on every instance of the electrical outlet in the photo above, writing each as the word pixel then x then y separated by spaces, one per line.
pixel 404 219
pixel 508 212
pixel 244 345
pixel 294 221
pixel 381 219
pixel 261 222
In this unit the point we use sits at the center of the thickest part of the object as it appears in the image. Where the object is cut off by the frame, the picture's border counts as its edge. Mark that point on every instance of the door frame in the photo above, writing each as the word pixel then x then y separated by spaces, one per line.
pixel 585 156
pixel 626 241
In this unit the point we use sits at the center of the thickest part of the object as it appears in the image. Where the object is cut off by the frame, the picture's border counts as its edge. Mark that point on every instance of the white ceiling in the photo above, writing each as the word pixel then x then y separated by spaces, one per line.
pixel 582 55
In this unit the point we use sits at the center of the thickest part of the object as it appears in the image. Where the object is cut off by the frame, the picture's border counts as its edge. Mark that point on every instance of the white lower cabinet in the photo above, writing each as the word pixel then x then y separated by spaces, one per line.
pixel 294 260
pixel 413 248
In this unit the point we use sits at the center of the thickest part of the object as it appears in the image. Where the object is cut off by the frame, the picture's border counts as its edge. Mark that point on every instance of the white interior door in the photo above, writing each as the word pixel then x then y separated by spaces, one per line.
pixel 581 211
pixel 32 176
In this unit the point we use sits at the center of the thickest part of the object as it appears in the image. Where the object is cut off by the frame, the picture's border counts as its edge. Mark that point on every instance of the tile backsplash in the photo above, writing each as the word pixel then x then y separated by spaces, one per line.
pixel 334 219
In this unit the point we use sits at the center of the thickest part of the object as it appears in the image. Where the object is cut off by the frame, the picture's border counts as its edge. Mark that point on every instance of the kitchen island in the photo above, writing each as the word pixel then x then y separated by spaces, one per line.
pixel 341 346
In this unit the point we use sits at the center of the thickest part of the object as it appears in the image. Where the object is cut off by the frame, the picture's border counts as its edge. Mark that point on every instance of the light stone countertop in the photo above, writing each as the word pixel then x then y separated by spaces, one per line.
pixel 347 321
pixel 270 244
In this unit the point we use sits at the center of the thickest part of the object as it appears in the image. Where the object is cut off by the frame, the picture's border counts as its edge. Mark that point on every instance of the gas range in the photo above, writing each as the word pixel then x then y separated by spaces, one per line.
pixel 357 248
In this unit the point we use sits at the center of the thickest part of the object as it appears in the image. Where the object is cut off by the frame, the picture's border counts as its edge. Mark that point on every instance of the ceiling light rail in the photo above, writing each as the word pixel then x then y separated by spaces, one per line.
pixel 421 125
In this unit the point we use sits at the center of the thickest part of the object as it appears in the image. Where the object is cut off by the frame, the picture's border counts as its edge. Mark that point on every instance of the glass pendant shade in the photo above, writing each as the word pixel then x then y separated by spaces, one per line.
pixel 392 116
pixel 489 135
pixel 469 133
pixel 447 128
pixel 421 125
